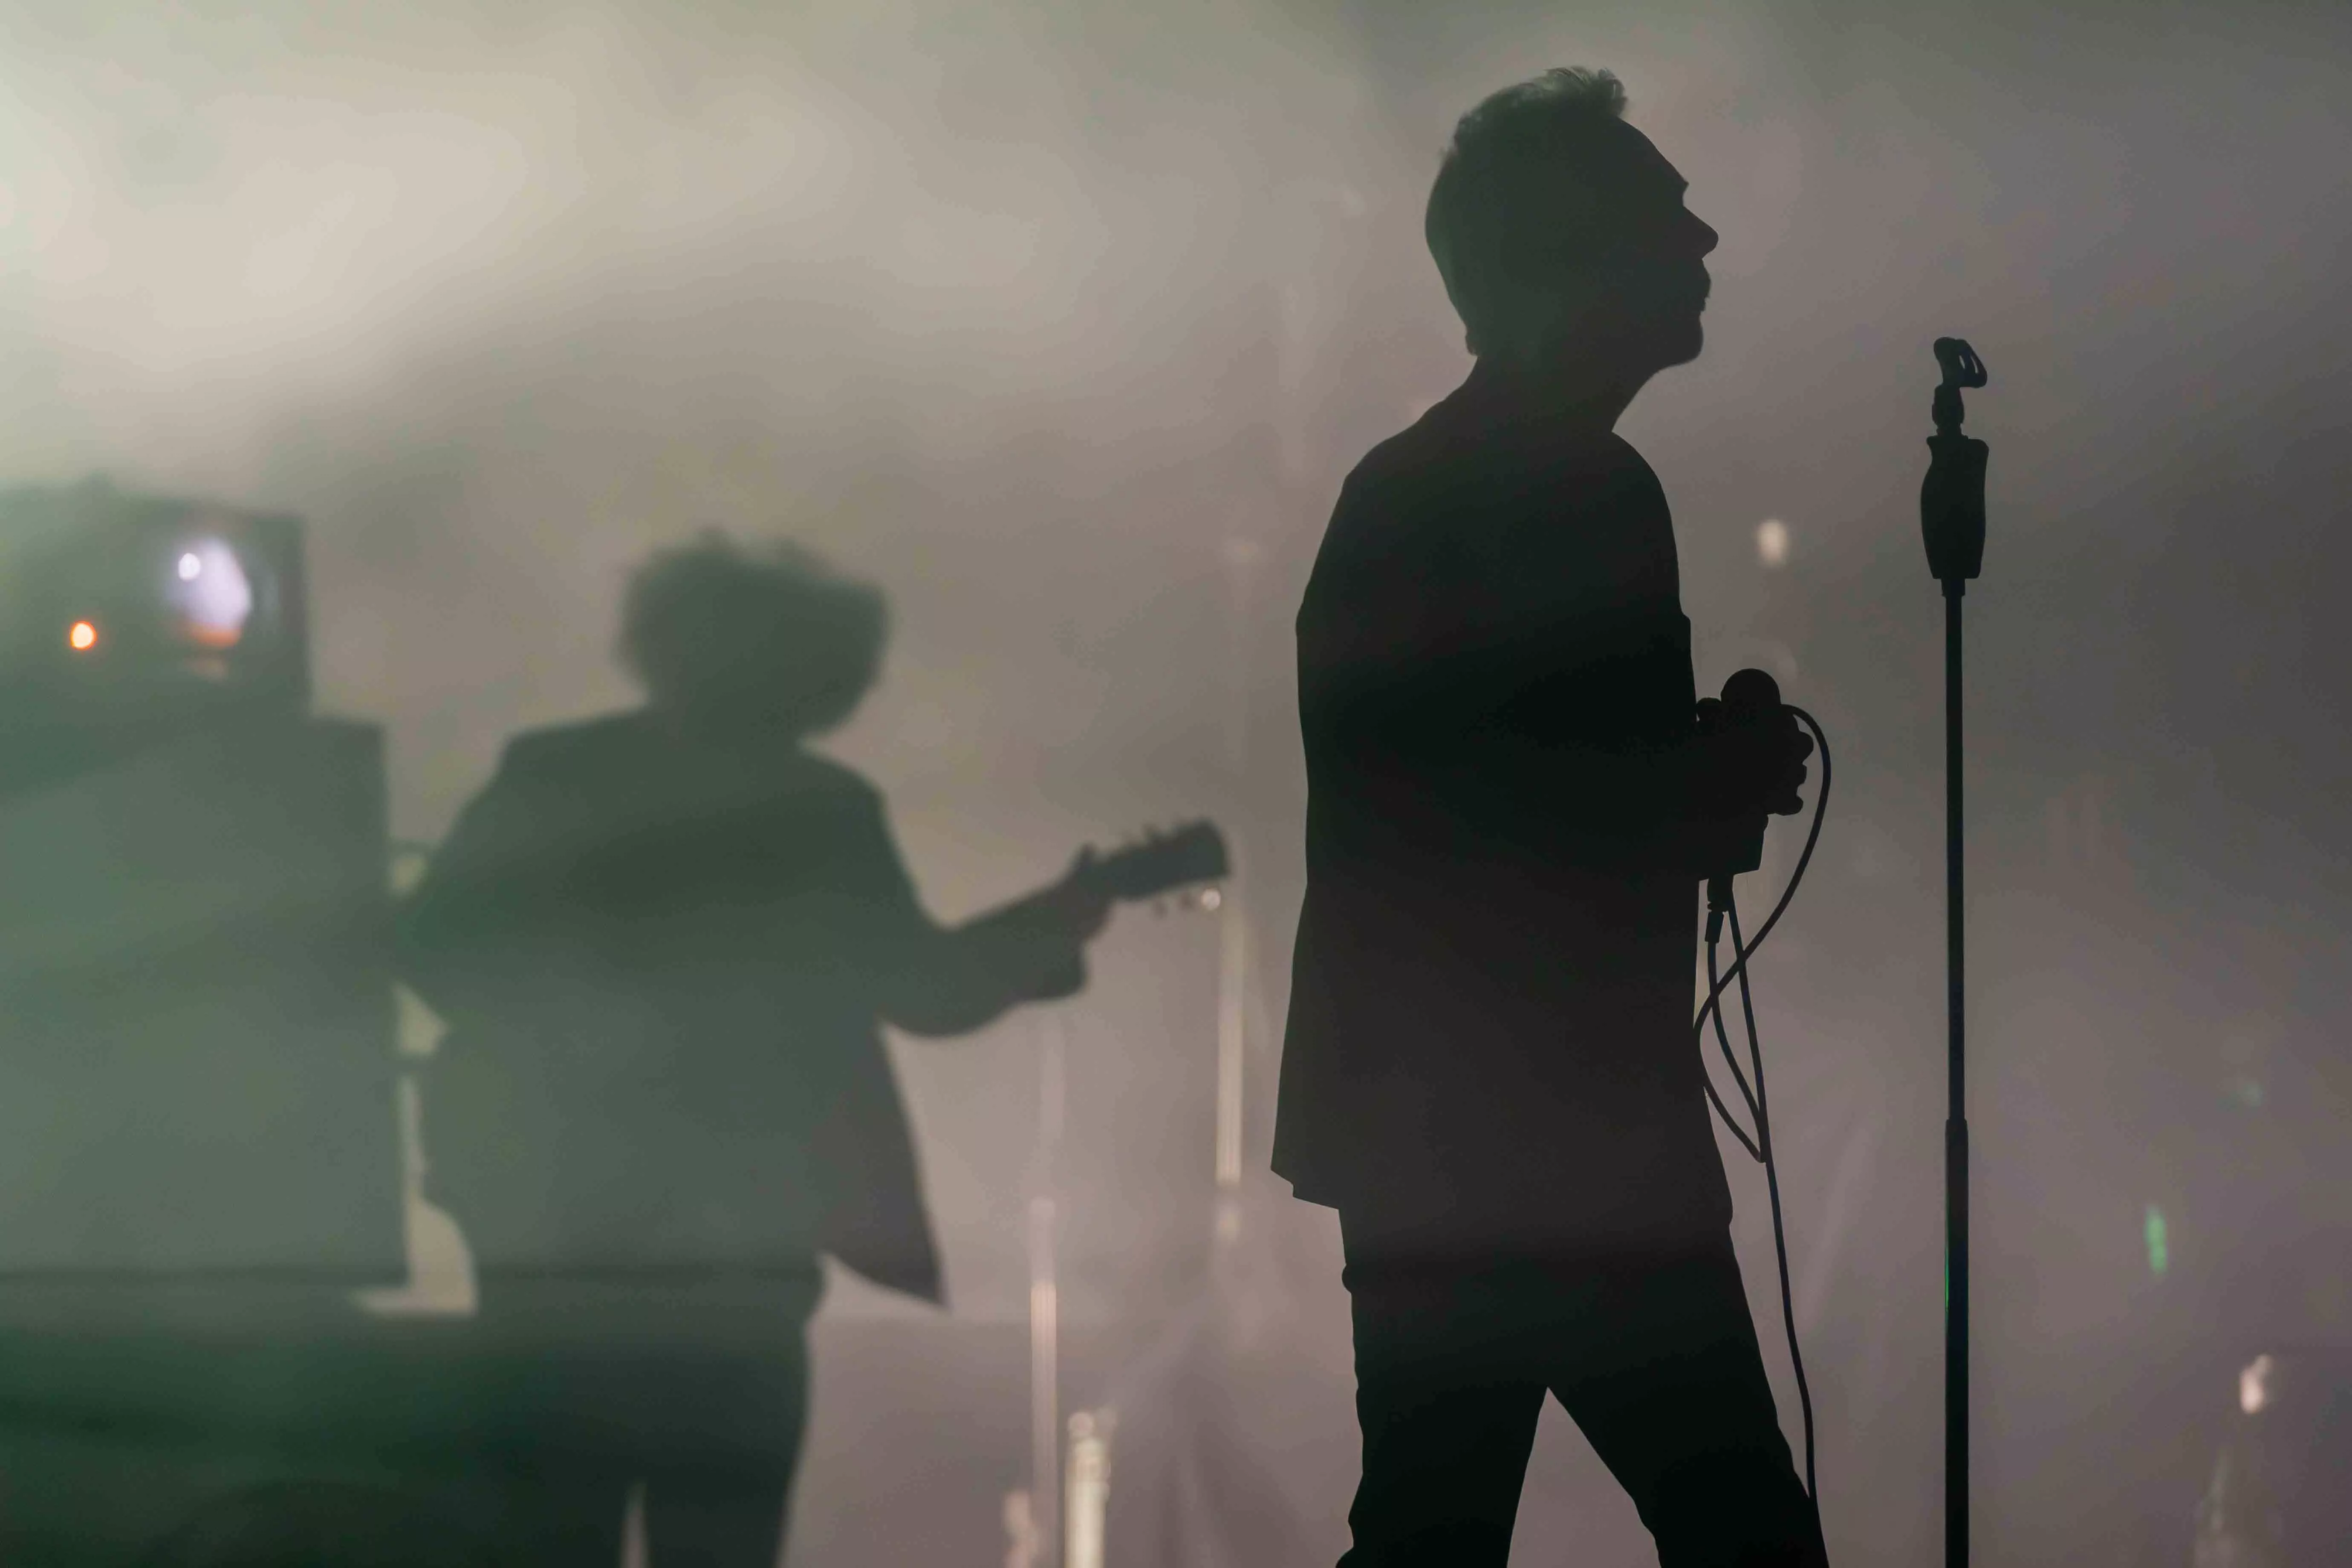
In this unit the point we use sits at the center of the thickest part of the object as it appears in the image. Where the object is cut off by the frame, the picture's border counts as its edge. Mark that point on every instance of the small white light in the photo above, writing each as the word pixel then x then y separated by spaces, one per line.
pixel 1211 898
pixel 2254 1386
pixel 1772 542
pixel 214 596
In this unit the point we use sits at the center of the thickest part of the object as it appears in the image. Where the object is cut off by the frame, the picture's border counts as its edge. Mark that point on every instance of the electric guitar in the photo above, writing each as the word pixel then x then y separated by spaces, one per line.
pixel 1191 855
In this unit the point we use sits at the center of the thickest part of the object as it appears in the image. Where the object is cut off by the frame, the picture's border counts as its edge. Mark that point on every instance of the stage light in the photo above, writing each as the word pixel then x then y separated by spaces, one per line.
pixel 1772 542
pixel 213 596
pixel 2254 1386
pixel 167 610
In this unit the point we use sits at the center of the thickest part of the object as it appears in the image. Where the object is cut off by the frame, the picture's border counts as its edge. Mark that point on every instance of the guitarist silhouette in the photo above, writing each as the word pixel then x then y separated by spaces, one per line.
pixel 665 940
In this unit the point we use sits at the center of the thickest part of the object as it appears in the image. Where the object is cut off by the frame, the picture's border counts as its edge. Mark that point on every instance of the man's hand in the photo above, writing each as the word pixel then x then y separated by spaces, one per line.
pixel 1051 928
pixel 1751 765
pixel 1075 906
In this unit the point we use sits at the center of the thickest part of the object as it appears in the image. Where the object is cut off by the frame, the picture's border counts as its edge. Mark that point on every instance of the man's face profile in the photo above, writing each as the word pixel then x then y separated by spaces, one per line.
pixel 1635 289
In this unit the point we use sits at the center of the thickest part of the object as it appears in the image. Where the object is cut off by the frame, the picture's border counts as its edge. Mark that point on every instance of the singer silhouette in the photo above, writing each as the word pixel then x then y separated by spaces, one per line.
pixel 1490 1070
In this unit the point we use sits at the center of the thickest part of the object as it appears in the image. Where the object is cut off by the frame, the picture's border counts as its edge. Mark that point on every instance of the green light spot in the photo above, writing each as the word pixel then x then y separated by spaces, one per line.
pixel 2159 1245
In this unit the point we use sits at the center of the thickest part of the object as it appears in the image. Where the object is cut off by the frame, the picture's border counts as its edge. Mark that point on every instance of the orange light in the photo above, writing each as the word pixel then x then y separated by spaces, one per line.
pixel 82 637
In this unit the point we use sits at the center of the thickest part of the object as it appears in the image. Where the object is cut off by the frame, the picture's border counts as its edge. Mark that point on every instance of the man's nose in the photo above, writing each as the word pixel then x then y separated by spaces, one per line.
pixel 1703 237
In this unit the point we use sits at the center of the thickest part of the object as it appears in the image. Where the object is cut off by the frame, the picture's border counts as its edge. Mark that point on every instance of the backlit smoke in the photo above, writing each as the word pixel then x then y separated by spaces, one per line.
pixel 1061 324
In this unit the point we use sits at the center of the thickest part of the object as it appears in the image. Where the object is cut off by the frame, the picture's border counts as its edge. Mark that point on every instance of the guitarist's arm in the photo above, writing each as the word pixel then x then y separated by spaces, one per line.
pixel 1031 950
pixel 466 933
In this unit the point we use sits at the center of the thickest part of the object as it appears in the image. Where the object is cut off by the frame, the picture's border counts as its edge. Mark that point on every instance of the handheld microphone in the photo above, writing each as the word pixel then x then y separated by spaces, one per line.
pixel 1750 696
pixel 1752 699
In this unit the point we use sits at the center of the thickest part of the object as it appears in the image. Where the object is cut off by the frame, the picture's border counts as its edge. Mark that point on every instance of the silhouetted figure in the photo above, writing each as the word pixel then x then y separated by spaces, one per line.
pixel 1490 1070
pixel 320 1525
pixel 667 942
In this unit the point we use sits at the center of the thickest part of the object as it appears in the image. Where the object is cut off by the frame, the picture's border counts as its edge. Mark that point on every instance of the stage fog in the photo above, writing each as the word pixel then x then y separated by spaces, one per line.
pixel 1060 327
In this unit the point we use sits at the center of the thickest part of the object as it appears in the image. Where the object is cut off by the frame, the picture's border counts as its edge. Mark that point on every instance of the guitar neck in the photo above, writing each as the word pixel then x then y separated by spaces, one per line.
pixel 1028 904
pixel 1157 865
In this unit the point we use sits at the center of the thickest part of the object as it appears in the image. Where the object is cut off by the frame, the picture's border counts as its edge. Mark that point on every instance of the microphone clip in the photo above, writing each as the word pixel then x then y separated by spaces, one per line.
pixel 1952 497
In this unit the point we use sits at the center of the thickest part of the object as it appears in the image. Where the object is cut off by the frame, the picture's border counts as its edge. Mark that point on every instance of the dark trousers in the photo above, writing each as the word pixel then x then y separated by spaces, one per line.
pixel 710 1500
pixel 1655 1357
pixel 698 1395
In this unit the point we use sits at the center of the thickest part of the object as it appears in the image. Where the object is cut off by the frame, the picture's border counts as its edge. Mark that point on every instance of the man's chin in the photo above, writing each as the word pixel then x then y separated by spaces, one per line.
pixel 1685 341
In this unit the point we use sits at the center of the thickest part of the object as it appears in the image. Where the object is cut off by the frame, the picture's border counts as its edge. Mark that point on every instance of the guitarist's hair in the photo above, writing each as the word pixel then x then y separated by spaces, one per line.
pixel 767 628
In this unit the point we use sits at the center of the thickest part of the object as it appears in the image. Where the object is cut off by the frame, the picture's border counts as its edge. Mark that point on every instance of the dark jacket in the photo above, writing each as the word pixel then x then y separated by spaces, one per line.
pixel 664 966
pixel 1489 1031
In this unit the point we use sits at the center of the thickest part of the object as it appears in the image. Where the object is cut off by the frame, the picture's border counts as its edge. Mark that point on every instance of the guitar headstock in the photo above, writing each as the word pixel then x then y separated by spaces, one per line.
pixel 1160 862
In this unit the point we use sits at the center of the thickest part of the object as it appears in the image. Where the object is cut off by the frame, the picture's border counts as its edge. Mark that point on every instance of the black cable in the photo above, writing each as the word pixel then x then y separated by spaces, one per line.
pixel 1760 1147
pixel 1728 1124
pixel 1717 983
pixel 1804 858
pixel 1772 1185
pixel 1755 1150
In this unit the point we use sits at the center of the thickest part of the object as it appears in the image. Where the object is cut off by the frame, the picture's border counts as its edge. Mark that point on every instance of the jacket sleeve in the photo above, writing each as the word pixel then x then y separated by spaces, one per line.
pixel 937 980
pixel 488 909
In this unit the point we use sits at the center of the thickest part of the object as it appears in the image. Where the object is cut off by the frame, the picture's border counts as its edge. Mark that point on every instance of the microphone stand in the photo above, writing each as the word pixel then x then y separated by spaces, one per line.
pixel 1952 522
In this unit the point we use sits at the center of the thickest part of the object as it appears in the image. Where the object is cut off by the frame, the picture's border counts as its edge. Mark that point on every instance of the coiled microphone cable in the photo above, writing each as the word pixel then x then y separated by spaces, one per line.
pixel 1721 907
